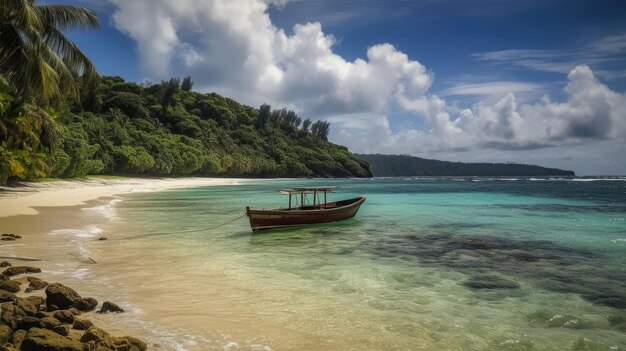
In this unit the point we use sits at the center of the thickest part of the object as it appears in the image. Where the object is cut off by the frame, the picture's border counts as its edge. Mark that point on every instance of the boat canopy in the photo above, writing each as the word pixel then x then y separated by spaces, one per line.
pixel 308 190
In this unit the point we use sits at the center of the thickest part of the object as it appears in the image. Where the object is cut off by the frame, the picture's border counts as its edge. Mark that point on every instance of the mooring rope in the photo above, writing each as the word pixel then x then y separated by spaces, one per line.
pixel 182 231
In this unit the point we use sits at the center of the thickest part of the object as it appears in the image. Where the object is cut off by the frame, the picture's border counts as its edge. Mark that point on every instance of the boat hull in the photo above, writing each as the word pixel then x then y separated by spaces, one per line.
pixel 303 216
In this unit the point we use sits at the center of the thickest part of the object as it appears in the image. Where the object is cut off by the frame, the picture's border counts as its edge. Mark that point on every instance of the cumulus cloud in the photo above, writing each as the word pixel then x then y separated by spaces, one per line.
pixel 591 112
pixel 232 47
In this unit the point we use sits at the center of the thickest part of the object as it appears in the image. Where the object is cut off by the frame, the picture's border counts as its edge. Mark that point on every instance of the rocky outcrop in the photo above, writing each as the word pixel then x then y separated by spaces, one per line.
pixel 81 324
pixel 64 316
pixel 6 296
pixel 86 304
pixel 16 270
pixel 61 296
pixel 35 284
pixel 10 285
pixel 33 323
pixel 38 339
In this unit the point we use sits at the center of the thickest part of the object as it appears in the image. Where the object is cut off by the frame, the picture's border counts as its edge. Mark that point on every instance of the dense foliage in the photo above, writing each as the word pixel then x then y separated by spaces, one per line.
pixel 403 165
pixel 58 118
pixel 163 130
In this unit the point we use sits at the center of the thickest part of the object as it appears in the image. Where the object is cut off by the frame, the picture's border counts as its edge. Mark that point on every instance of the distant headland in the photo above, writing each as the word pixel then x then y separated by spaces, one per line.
pixel 404 165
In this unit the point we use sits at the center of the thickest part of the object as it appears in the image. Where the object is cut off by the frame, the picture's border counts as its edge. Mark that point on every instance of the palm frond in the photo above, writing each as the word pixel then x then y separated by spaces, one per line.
pixel 13 58
pixel 65 17
pixel 71 55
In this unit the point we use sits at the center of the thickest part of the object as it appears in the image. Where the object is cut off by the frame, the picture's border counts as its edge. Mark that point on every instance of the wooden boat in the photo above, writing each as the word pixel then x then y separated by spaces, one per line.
pixel 303 214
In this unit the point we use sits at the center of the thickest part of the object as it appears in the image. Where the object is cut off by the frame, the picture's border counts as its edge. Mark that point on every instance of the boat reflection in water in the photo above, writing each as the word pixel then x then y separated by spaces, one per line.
pixel 302 213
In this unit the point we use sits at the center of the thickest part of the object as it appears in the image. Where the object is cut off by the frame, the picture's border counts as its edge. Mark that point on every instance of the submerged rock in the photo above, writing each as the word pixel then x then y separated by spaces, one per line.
pixel 35 284
pixel 10 285
pixel 85 304
pixel 16 270
pixel 8 235
pixel 38 339
pixel 490 282
pixel 60 296
pixel 551 320
pixel 108 306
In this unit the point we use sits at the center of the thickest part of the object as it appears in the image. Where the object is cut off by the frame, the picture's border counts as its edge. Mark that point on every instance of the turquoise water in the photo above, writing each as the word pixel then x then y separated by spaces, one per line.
pixel 445 264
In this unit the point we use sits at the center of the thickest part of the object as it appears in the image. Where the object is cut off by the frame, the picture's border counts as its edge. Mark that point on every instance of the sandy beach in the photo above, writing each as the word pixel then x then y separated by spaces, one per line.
pixel 58 221
pixel 26 199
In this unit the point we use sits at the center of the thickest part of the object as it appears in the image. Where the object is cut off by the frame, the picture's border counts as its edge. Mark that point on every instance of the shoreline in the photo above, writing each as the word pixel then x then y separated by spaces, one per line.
pixel 59 223
pixel 25 200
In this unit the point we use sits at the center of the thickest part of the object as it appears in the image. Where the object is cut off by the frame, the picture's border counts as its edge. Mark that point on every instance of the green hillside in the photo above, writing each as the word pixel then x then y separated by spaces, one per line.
pixel 403 165
pixel 168 130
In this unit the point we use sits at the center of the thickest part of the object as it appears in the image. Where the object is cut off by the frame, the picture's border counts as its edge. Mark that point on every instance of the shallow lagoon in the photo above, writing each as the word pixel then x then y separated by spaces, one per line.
pixel 446 264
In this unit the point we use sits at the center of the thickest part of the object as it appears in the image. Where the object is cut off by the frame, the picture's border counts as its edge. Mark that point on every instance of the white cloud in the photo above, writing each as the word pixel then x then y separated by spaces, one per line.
pixel 591 115
pixel 232 47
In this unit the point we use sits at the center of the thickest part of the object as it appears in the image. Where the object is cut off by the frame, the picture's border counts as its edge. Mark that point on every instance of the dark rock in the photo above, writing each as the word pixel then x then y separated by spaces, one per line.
pixel 64 316
pixel 50 322
pixel 35 300
pixel 4 264
pixel 4 277
pixel 7 314
pixel 62 330
pixel 85 304
pixel 82 324
pixel 108 306
pixel 46 340
pixel 93 334
pixel 10 285
pixel 17 338
pixel 25 323
pixel 122 343
pixel 75 311
pixel 36 283
pixel 25 305
pixel 5 333
pixel 51 308
pixel 41 314
pixel 60 296
pixel 490 282
pixel 103 238
pixel 14 236
pixel 7 238
pixel 6 296
pixel 15 270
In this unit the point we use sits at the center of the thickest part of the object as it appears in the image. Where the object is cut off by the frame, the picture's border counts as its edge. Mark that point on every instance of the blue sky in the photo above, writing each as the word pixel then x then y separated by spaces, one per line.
pixel 484 80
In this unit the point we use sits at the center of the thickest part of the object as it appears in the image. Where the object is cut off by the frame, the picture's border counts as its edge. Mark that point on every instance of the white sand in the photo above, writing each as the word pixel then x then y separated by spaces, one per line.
pixel 23 200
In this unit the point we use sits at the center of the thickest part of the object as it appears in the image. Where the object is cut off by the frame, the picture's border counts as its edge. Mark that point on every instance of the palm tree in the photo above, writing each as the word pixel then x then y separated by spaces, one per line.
pixel 36 59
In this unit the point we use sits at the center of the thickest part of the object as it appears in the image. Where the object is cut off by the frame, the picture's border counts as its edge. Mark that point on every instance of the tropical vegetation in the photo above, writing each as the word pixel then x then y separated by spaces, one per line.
pixel 59 118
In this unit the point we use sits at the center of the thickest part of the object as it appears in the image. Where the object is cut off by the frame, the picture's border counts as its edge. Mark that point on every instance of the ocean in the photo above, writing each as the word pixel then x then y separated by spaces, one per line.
pixel 427 264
